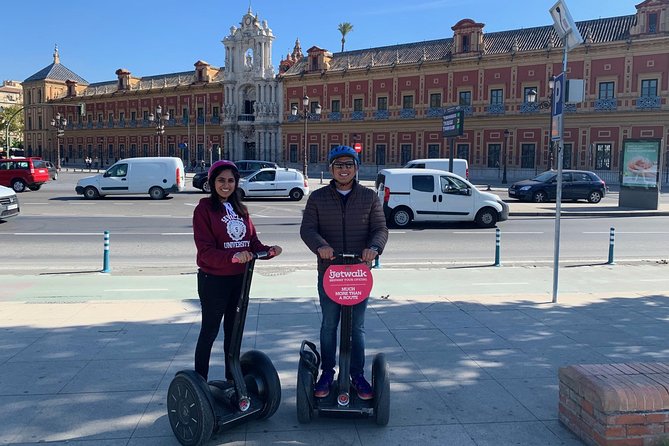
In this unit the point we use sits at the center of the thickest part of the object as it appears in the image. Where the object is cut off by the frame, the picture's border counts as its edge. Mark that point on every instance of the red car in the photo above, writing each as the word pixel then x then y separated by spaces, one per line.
pixel 22 173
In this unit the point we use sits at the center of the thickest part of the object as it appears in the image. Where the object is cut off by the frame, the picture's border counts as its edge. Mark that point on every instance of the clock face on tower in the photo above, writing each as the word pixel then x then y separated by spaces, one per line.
pixel 248 20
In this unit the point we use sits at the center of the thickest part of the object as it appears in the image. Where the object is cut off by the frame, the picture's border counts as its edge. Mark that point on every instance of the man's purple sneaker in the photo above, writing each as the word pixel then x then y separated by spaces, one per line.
pixel 362 387
pixel 322 388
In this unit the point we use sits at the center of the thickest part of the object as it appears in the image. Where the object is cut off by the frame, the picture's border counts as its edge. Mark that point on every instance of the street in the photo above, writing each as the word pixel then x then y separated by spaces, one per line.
pixel 60 231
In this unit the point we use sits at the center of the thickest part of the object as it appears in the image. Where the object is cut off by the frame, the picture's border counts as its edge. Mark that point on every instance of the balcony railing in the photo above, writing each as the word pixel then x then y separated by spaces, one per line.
pixel 648 102
pixel 215 120
pixel 407 113
pixel 246 118
pixel 529 107
pixel 468 109
pixel 496 109
pixel 609 104
pixel 334 116
pixel 435 112
pixel 358 116
pixel 381 114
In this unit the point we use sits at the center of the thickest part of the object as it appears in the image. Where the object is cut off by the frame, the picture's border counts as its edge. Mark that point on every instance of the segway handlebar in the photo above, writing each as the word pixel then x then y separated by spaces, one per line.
pixel 257 255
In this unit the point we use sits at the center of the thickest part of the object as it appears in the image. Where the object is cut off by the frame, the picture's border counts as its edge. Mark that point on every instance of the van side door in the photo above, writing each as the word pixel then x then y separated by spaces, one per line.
pixel 424 197
pixel 457 201
pixel 115 180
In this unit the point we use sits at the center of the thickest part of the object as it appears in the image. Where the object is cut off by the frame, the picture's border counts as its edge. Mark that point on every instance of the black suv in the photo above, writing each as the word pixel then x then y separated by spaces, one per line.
pixel 576 184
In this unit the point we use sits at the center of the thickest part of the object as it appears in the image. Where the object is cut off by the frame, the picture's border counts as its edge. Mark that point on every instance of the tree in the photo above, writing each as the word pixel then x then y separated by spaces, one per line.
pixel 14 117
pixel 344 28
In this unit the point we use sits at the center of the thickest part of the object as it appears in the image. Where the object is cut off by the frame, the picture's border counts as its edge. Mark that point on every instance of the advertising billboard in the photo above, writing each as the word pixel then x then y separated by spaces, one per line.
pixel 640 163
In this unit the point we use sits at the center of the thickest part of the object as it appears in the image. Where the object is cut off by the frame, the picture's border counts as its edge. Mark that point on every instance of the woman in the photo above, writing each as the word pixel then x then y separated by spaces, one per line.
pixel 225 239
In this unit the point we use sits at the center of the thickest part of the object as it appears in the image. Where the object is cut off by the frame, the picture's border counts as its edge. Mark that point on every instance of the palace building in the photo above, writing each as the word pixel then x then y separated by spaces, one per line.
pixel 200 115
pixel 389 100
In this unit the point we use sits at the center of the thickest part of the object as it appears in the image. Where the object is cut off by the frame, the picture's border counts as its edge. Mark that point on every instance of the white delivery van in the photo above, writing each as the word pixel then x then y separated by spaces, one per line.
pixel 434 195
pixel 156 176
pixel 275 182
pixel 460 166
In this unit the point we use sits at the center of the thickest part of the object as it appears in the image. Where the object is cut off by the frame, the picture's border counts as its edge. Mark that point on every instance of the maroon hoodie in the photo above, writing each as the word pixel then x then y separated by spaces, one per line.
pixel 219 235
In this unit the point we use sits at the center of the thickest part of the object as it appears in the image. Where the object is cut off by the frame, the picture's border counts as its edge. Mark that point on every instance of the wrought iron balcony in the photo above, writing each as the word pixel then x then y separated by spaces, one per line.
pixel 314 117
pixel 246 118
pixel 358 116
pixel 215 120
pixel 294 118
pixel 407 113
pixel 468 109
pixel 381 114
pixel 610 104
pixel 529 107
pixel 496 109
pixel 648 102
pixel 334 116
pixel 435 112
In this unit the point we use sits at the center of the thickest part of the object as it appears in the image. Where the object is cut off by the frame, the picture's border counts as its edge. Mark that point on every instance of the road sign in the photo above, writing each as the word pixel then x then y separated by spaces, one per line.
pixel 558 107
pixel 453 123
pixel 357 147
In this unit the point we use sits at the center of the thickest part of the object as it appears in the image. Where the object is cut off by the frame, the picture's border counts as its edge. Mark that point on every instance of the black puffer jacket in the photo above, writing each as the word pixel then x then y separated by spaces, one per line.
pixel 348 226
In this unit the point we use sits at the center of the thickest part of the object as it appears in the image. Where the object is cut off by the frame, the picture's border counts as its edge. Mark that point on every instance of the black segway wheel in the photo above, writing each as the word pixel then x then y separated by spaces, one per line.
pixel 305 388
pixel 189 410
pixel 381 386
pixel 262 379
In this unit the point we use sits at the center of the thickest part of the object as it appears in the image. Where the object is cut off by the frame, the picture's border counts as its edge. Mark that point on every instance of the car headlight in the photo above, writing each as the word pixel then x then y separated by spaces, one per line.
pixel 525 188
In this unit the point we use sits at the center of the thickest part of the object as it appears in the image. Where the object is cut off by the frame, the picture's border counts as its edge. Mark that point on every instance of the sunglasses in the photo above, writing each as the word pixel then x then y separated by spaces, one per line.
pixel 349 165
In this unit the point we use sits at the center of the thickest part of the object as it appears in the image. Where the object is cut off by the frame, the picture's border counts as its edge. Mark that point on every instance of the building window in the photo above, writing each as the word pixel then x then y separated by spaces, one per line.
pixel 407 102
pixel 133 116
pixel 405 154
pixel 121 116
pixel 184 114
pixel 652 23
pixel 649 88
pixel 496 96
pixel 335 106
pixel 200 112
pixel 214 112
pixel 465 43
pixel 133 150
pixel 100 118
pixel 433 150
pixel 312 107
pixel 110 152
pixel 566 156
pixel 121 150
pixel 382 103
pixel 39 123
pixel 145 150
pixel 30 123
pixel 313 153
pixel 527 153
pixel 111 119
pixel 603 156
pixel 357 104
pixel 606 90
pixel 494 151
pixel 435 100
pixel 462 151
pixel 292 153
pixel 526 92
pixel 465 98
pixel 380 154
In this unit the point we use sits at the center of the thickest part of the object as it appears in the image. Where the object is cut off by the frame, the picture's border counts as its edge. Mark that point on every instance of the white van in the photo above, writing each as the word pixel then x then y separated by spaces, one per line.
pixel 460 166
pixel 275 182
pixel 156 176
pixel 434 195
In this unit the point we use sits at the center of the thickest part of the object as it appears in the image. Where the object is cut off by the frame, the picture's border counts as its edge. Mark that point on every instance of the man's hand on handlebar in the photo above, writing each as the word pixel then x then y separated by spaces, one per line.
pixel 368 255
pixel 326 253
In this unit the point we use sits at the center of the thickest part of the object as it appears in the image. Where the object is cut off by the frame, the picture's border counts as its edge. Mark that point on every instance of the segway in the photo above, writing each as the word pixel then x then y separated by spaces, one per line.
pixel 346 283
pixel 196 409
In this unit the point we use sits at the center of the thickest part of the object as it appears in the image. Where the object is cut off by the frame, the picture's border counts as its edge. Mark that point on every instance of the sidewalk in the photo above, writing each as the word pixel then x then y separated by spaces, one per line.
pixel 474 353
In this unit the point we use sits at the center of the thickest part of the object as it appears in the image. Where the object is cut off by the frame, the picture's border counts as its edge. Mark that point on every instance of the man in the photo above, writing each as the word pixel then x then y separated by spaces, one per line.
pixel 343 217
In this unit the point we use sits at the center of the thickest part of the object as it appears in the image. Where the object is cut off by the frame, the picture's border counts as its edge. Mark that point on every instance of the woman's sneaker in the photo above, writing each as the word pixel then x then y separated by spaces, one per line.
pixel 362 387
pixel 322 388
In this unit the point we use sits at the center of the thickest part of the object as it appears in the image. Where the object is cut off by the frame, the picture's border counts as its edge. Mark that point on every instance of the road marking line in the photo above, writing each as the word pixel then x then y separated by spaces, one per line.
pixel 503 232
pixel 654 280
pixel 629 232
pixel 32 234
pixel 134 290
pixel 500 283
pixel 176 233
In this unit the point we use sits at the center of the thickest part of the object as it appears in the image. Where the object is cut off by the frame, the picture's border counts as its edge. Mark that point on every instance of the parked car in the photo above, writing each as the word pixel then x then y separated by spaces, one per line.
pixel 460 166
pixel 156 176
pixel 275 182
pixel 576 185
pixel 22 173
pixel 435 195
pixel 9 203
pixel 246 168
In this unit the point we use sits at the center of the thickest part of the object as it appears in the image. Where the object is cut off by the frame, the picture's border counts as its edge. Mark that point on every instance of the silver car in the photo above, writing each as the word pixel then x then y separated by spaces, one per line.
pixel 9 203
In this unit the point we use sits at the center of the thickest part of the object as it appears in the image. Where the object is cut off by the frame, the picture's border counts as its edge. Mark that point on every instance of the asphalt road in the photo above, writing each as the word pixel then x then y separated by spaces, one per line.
pixel 59 230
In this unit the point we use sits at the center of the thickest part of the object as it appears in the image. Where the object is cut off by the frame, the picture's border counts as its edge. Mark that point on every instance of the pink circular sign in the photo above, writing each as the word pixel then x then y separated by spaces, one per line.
pixel 348 284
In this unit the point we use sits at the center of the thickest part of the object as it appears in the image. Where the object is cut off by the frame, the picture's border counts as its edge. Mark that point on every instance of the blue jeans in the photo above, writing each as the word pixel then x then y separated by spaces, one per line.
pixel 331 313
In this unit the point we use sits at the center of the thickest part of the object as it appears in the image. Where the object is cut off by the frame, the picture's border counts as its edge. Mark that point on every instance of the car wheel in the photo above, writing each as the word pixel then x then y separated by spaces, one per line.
pixel 55 176
pixel 18 185
pixel 91 193
pixel 401 217
pixel 595 196
pixel 296 194
pixel 35 187
pixel 157 193
pixel 205 187
pixel 540 196
pixel 486 218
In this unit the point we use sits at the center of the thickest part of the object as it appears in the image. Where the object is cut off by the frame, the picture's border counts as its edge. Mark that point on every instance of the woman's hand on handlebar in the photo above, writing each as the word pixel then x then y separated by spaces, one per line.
pixel 368 255
pixel 275 250
pixel 242 257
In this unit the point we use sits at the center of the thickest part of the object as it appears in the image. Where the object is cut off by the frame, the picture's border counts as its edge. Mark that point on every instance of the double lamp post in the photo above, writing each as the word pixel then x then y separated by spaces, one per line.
pixel 532 98
pixel 159 119
pixel 305 116
pixel 59 122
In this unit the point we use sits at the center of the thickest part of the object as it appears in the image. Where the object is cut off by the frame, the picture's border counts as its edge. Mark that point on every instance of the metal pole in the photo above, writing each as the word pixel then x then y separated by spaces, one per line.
pixel 506 139
pixel 612 240
pixel 498 240
pixel 304 159
pixel 558 198
pixel 105 258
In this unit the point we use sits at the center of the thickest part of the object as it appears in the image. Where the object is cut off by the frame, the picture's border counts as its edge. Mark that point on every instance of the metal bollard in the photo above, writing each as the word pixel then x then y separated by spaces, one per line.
pixel 321 177
pixel 377 262
pixel 498 237
pixel 105 258
pixel 612 240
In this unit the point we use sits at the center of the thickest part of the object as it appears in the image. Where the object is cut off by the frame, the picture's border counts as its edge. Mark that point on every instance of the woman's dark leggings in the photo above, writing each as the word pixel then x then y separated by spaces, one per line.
pixel 218 298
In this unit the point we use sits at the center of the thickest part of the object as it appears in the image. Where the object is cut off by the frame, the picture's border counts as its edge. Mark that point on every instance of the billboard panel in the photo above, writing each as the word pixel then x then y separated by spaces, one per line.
pixel 641 161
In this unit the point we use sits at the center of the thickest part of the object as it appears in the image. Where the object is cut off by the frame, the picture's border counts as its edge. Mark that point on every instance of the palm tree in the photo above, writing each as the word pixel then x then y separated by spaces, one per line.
pixel 344 28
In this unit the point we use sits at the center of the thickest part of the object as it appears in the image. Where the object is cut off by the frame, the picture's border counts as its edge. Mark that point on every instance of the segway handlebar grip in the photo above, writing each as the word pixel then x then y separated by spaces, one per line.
pixel 256 255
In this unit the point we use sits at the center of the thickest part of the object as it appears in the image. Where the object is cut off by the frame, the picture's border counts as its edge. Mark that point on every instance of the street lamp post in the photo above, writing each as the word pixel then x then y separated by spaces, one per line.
pixel 532 98
pixel 305 116
pixel 59 122
pixel 506 140
pixel 160 121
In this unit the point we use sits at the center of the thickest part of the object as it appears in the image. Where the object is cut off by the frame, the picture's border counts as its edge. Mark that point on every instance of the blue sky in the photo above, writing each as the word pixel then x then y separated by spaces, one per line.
pixel 156 37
